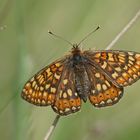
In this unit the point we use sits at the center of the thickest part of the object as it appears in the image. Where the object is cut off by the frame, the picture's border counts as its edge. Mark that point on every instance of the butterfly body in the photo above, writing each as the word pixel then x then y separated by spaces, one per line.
pixel 82 83
pixel 99 76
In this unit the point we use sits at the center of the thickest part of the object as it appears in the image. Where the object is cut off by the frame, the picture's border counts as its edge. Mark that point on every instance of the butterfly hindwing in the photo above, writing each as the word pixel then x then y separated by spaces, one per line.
pixel 67 100
pixel 102 92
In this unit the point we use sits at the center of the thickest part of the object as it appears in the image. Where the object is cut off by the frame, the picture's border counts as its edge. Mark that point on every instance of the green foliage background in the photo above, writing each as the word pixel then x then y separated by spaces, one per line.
pixel 26 47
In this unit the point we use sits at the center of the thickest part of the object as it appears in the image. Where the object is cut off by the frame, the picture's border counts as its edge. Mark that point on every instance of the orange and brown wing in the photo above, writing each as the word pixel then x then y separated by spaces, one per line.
pixel 55 86
pixel 122 67
pixel 103 92
pixel 41 89
pixel 67 99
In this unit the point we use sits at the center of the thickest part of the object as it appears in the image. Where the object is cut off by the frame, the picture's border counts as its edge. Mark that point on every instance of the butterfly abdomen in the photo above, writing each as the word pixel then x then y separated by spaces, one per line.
pixel 82 84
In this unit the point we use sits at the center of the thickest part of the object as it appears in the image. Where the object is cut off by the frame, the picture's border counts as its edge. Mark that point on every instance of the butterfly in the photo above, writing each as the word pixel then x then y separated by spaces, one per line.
pixel 98 76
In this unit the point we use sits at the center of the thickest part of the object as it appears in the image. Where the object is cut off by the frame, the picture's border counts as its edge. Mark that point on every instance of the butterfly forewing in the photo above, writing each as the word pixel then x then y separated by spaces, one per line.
pixel 41 89
pixel 123 68
pixel 102 92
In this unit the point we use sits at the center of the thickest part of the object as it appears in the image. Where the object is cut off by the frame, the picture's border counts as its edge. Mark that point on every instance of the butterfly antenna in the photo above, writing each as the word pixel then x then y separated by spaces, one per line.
pixel 60 38
pixel 88 35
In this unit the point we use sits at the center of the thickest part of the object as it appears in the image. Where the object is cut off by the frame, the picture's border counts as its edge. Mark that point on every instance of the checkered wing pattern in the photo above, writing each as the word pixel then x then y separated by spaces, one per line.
pixel 67 99
pixel 103 92
pixel 41 89
pixel 53 85
pixel 121 67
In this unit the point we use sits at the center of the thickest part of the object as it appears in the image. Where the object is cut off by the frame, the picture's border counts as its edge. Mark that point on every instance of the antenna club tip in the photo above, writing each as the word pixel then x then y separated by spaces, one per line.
pixel 50 32
pixel 98 27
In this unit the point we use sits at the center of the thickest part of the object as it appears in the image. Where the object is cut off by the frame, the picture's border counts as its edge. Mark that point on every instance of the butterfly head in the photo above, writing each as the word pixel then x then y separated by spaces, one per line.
pixel 76 49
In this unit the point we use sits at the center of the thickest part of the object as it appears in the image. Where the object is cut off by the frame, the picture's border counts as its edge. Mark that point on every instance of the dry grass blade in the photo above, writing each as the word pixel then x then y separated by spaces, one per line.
pixel 51 129
pixel 132 21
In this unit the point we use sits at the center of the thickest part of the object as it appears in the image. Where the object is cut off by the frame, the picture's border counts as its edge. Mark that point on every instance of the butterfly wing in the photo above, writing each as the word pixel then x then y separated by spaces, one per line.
pixel 41 89
pixel 102 92
pixel 67 100
pixel 121 67
pixel 54 85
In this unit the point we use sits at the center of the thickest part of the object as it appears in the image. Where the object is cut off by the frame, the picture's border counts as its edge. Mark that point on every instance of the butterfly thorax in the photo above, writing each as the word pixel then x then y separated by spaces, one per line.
pixel 82 83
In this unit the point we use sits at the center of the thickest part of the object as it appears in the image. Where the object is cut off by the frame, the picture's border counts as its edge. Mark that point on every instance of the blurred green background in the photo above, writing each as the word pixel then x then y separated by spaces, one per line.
pixel 26 47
